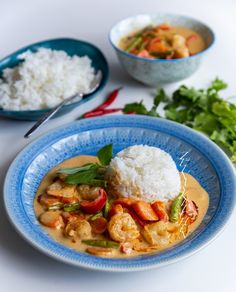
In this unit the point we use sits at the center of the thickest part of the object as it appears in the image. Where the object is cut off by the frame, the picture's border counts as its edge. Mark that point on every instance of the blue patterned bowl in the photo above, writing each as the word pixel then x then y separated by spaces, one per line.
pixel 71 47
pixel 203 159
pixel 155 72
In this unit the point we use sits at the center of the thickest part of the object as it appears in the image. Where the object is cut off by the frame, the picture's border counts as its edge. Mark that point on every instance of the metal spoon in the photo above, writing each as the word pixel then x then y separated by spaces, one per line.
pixel 94 85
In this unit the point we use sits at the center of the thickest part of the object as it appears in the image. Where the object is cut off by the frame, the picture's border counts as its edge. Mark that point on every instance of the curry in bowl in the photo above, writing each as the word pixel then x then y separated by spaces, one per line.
pixel 163 41
pixel 124 206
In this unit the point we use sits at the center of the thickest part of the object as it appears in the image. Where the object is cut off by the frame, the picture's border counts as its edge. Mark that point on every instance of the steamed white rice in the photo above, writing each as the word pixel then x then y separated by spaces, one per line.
pixel 44 79
pixel 144 172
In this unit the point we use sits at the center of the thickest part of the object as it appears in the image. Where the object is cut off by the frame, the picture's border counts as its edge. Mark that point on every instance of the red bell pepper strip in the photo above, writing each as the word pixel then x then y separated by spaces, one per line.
pixel 191 38
pixel 92 207
pixel 137 219
pixel 159 209
pixel 144 211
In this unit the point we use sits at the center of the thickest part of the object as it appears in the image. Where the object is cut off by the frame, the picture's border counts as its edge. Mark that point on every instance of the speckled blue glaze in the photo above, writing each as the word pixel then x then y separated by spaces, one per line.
pixel 71 47
pixel 155 72
pixel 190 150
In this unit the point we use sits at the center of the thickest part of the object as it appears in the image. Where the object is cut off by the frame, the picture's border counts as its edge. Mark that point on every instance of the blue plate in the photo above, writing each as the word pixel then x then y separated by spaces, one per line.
pixel 71 47
pixel 203 159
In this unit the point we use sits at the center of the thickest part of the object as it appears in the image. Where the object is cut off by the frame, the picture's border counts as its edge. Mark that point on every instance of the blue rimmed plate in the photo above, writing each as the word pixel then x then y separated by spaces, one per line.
pixel 71 47
pixel 200 157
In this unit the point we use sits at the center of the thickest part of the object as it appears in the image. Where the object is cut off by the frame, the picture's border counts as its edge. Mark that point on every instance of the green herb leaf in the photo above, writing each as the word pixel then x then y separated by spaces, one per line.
pixel 201 109
pixel 97 183
pixel 160 96
pixel 72 170
pixel 136 107
pixel 83 177
pixel 217 85
pixel 105 154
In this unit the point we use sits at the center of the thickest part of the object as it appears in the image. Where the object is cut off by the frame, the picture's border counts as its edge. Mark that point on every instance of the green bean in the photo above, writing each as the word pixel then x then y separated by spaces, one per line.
pixel 71 207
pixel 55 207
pixel 106 209
pixel 161 55
pixel 136 41
pixel 94 217
pixel 101 243
pixel 176 208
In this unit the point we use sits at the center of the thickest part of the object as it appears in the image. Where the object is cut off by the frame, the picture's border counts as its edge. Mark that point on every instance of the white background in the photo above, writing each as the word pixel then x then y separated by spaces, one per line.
pixel 22 268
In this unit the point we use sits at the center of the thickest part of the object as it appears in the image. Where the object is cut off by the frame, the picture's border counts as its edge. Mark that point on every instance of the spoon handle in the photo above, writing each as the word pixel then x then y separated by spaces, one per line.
pixel 48 115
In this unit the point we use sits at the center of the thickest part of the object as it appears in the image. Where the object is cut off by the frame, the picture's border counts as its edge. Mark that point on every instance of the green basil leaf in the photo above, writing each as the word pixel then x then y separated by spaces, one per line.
pixel 83 177
pixel 105 154
pixel 72 170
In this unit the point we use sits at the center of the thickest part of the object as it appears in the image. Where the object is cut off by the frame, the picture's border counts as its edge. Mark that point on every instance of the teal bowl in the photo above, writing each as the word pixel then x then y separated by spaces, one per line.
pixel 71 47
pixel 155 72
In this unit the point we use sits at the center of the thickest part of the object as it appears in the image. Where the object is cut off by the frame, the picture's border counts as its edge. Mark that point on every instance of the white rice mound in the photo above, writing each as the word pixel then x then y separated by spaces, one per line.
pixel 143 172
pixel 44 79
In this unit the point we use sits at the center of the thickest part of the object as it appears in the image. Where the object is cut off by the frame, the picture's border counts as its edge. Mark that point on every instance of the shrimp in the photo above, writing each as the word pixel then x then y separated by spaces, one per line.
pixel 61 189
pixel 100 251
pixel 179 45
pixel 87 192
pixel 51 219
pixel 122 227
pixel 78 228
pixel 159 233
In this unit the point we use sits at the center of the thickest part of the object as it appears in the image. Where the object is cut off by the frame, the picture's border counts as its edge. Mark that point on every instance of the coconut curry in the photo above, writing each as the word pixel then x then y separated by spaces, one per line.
pixel 87 219
pixel 163 42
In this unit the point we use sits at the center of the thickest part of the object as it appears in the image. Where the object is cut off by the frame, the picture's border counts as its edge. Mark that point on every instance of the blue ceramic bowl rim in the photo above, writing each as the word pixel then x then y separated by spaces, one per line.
pixel 73 104
pixel 213 153
pixel 164 60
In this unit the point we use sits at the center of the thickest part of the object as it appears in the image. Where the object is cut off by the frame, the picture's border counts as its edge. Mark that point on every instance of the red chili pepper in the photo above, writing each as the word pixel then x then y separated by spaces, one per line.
pixel 102 109
pixel 100 112
pixel 92 207
pixel 111 98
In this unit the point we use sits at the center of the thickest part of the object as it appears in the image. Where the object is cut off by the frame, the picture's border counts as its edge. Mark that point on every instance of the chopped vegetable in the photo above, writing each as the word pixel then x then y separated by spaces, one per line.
pixel 99 225
pixel 159 209
pixel 136 41
pixel 176 208
pixel 100 251
pixel 71 207
pixel 145 211
pixel 101 243
pixel 94 217
pixel 55 207
pixel 106 208
pixel 92 207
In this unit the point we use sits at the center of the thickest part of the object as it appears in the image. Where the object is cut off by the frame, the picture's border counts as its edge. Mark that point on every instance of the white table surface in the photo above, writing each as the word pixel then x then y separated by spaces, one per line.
pixel 22 268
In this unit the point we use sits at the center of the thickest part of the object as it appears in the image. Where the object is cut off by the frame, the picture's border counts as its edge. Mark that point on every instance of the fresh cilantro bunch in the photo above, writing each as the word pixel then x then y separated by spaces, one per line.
pixel 201 109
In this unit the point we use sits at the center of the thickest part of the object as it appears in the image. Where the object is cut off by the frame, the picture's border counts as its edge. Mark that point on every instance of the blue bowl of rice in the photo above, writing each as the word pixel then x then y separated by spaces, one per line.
pixel 36 78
